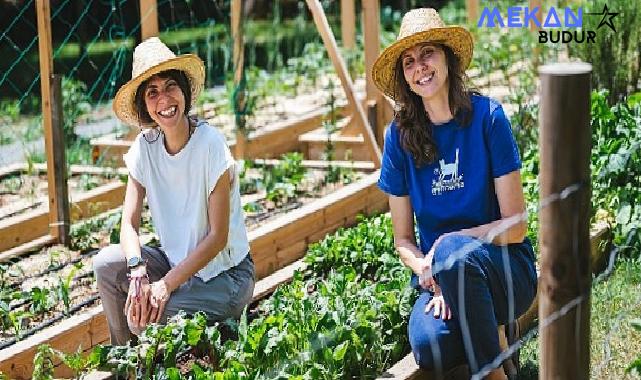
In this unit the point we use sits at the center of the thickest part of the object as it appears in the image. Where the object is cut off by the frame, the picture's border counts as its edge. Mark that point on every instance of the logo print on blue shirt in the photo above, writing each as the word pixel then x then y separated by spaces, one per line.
pixel 447 177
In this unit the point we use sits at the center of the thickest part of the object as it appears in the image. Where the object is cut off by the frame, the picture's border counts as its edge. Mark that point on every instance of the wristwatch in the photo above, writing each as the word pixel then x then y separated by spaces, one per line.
pixel 135 262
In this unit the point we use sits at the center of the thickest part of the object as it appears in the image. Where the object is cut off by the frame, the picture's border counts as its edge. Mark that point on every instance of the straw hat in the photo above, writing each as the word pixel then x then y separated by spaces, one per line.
pixel 152 57
pixel 420 25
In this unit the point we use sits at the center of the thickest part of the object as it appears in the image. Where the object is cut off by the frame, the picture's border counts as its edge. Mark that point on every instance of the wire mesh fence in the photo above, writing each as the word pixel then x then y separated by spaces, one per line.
pixel 93 41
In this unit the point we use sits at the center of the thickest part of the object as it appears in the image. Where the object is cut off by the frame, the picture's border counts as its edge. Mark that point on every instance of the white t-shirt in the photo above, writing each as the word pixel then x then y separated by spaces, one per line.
pixel 178 189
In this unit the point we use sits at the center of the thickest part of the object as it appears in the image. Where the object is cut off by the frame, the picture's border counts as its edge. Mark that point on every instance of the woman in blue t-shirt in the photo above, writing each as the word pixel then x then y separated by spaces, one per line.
pixel 450 162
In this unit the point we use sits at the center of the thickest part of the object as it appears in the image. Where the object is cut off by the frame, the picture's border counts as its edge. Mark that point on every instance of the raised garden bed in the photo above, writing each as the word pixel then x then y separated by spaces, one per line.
pixel 22 191
pixel 366 263
pixel 274 244
pixel 272 129
pixel 341 316
pixel 24 211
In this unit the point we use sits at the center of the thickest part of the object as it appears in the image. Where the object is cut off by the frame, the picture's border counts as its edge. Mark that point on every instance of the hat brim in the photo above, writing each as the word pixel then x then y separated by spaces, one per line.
pixel 457 38
pixel 124 105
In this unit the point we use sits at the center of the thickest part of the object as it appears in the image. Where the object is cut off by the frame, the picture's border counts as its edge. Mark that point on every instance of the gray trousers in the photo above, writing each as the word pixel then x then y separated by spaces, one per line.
pixel 222 297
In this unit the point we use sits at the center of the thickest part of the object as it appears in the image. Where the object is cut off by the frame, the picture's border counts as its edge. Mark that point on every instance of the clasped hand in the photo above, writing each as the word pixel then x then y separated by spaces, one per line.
pixel 145 302
pixel 426 281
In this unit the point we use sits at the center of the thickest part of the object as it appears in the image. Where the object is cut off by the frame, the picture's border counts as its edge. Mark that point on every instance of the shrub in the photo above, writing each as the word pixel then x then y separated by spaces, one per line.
pixel 615 56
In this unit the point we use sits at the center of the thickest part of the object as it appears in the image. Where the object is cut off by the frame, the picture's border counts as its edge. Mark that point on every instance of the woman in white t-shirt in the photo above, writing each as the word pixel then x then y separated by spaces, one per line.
pixel 185 169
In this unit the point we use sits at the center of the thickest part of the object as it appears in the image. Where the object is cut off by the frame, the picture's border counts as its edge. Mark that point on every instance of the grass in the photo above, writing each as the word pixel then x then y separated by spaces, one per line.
pixel 614 344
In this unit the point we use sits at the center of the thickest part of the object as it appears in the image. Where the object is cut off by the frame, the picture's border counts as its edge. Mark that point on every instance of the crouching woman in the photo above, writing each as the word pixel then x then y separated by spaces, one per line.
pixel 185 169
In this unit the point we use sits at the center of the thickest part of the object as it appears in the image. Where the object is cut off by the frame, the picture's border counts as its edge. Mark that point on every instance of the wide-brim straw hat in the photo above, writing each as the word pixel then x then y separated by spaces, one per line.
pixel 152 57
pixel 420 25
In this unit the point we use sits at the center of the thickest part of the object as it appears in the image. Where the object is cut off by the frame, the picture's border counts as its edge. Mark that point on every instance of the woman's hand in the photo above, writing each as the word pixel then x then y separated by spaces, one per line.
pixel 425 278
pixel 137 304
pixel 158 299
pixel 441 310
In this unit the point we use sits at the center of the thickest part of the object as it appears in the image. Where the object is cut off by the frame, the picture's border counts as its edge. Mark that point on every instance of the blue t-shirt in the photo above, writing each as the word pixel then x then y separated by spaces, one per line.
pixel 457 190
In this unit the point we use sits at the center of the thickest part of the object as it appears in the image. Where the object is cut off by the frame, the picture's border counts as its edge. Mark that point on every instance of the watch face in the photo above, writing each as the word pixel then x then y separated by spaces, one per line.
pixel 134 261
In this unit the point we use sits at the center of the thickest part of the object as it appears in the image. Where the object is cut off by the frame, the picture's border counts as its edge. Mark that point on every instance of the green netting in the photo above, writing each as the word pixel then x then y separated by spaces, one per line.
pixel 93 42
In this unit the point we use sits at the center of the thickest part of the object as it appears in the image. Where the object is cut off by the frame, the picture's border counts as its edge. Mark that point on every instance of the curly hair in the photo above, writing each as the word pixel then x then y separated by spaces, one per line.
pixel 414 125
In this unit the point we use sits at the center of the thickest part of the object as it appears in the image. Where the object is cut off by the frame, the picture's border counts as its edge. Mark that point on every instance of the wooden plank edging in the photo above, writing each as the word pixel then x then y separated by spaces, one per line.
pixel 34 224
pixel 279 138
pixel 90 329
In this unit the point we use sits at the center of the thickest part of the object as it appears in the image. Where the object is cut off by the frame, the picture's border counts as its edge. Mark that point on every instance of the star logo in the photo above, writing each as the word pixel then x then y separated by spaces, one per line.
pixel 607 18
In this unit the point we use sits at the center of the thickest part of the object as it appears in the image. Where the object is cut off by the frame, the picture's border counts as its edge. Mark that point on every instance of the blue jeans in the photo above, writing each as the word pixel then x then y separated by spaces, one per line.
pixel 485 286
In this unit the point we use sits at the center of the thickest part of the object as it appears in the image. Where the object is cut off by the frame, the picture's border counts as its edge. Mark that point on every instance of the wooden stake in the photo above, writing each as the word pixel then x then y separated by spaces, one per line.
pixel 472 11
pixel 371 22
pixel 239 58
pixel 43 11
pixel 371 36
pixel 339 65
pixel 348 24
pixel 535 29
pixel 61 194
pixel 534 4
pixel 148 19
pixel 564 233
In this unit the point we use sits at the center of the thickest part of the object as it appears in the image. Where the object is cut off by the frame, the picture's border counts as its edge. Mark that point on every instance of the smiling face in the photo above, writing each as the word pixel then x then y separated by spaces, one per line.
pixel 425 70
pixel 165 102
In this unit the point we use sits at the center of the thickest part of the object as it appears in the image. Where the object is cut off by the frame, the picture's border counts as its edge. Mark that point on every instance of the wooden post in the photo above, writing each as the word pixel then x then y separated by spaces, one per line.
pixel 565 232
pixel 239 61
pixel 371 23
pixel 62 220
pixel 339 65
pixel 534 4
pixel 148 19
pixel 348 24
pixel 371 37
pixel 535 29
pixel 372 115
pixel 43 11
pixel 472 11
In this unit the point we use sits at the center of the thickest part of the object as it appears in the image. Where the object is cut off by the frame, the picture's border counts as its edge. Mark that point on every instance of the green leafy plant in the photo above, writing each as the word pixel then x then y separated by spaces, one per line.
pixel 57 256
pixel 281 192
pixel 64 289
pixel 16 320
pixel 333 173
pixel 614 56
pixel 75 361
pixel 525 118
pixel 635 366
pixel 9 115
pixel 337 323
pixel 616 167
pixel 282 180
pixel 252 207
pixel 42 300
pixel 75 104
pixel 43 363
pixel 83 236
pixel 87 182
pixel 289 169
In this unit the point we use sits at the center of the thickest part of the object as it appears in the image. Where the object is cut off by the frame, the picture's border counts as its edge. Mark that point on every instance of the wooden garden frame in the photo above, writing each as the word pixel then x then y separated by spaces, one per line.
pixel 90 328
pixel 279 138
pixel 274 246
pixel 34 225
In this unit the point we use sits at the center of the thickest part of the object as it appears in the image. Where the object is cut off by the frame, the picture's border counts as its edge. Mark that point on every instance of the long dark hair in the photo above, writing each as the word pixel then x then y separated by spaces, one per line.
pixel 414 125
pixel 181 79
